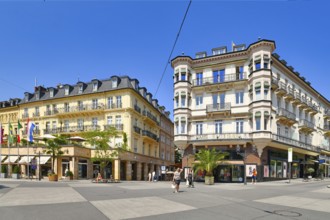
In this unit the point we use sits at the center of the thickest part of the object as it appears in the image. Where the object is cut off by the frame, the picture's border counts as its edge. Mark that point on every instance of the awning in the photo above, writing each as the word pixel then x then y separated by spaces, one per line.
pixel 24 159
pixel 43 159
pixel 257 85
pixel 10 159
pixel 257 114
pixel 266 84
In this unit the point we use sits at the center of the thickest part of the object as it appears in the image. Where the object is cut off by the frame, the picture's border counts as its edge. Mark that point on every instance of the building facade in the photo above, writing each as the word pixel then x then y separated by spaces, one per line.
pixel 250 103
pixel 73 109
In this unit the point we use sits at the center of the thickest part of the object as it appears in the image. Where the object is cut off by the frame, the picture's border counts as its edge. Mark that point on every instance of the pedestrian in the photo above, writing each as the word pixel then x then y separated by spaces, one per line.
pixel 99 177
pixel 149 177
pixel 153 175
pixel 254 176
pixel 177 179
pixel 190 179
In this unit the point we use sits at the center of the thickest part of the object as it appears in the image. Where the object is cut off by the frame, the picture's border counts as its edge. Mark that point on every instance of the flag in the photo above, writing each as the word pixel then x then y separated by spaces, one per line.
pixel 10 134
pixel 30 128
pixel 1 134
pixel 19 126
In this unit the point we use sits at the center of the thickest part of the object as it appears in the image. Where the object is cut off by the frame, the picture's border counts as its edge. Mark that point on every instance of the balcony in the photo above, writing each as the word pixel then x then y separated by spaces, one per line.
pixel 35 131
pixel 114 105
pixel 150 117
pixel 290 94
pixel 149 135
pixel 70 129
pixel 326 114
pixel 295 143
pixel 312 108
pixel 233 77
pixel 36 114
pixel 274 83
pixel 286 117
pixel 281 90
pixel 86 110
pixel 137 129
pixel 137 108
pixel 326 130
pixel 305 126
pixel 118 127
pixel 296 98
pixel 218 108
pixel 220 137
pixel 25 115
pixel 50 112
pixel 303 104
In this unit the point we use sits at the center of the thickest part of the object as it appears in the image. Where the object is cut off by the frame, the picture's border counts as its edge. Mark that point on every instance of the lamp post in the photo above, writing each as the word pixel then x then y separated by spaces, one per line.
pixel 238 151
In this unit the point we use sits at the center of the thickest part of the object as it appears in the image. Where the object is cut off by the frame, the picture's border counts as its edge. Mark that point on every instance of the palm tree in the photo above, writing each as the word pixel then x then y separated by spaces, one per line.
pixel 207 160
pixel 54 148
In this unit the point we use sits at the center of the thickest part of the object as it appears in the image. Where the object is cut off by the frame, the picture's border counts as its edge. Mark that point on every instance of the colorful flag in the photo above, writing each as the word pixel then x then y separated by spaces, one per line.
pixel 10 134
pixel 30 128
pixel 19 126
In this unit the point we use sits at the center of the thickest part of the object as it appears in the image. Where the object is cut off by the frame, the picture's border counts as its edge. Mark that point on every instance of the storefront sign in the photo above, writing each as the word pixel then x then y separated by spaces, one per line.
pixel 321 161
pixel 290 154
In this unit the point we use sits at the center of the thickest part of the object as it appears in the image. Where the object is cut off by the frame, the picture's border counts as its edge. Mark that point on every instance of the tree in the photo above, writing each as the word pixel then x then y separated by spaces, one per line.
pixel 178 156
pixel 54 148
pixel 208 160
pixel 104 153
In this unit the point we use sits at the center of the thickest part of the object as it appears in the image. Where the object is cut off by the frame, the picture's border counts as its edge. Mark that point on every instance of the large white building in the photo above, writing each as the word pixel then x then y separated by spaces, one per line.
pixel 251 104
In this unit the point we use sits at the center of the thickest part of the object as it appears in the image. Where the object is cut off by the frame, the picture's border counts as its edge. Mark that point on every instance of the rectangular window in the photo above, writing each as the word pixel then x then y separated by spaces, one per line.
pixel 265 65
pixel 199 79
pixel 109 120
pixel 80 124
pixel 218 127
pixel 258 65
pixel 286 130
pixel 199 128
pixel 109 102
pixel 183 127
pixel 47 127
pixel 95 86
pixel 118 101
pixel 183 101
pixel 94 123
pixel 114 83
pixel 51 93
pixel 118 119
pixel 258 123
pixel 54 126
pixel 265 123
pixel 183 76
pixel 80 89
pixel 177 102
pixel 66 91
pixel 239 97
pixel 239 126
pixel 199 101
pixel 37 112
pixel 239 73
pixel 66 126
pixel 258 94
pixel 94 103
pixel 177 128
pixel 135 145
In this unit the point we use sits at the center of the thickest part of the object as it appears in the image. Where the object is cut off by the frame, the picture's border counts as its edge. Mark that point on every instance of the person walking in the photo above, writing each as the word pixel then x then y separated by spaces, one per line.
pixel 177 179
pixel 190 179
pixel 149 177
pixel 254 176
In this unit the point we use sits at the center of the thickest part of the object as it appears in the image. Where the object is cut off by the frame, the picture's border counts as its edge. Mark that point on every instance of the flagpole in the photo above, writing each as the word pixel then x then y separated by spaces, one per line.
pixel 8 144
pixel 28 163
pixel 1 138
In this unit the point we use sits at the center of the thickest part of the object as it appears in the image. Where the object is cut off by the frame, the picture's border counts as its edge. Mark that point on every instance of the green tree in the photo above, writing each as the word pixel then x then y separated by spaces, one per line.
pixel 208 160
pixel 54 148
pixel 104 153
pixel 178 156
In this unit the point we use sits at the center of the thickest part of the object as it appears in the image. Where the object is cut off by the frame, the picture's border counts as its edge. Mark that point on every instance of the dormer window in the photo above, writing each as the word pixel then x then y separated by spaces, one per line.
pixel 26 98
pixel 219 50
pixel 80 89
pixel 114 83
pixel 95 86
pixel 66 90
pixel 51 93
pixel 200 55
pixel 239 47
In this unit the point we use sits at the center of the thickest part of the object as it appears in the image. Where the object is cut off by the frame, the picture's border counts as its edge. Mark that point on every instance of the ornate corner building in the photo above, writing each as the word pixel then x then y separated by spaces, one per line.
pixel 73 109
pixel 250 103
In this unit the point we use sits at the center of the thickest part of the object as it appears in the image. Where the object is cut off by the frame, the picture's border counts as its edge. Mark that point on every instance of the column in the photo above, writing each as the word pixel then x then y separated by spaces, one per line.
pixel 138 171
pixel 146 171
pixel 116 169
pixel 74 167
pixel 89 169
pixel 128 170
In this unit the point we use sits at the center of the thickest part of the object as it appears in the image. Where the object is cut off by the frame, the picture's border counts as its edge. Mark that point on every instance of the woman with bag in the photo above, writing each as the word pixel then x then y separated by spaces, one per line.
pixel 177 179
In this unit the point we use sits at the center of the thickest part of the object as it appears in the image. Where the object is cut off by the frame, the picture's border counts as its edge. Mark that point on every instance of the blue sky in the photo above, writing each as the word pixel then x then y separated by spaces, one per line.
pixel 63 41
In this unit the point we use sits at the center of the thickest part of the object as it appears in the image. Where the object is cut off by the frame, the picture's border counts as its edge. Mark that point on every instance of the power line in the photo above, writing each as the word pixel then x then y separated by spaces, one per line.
pixel 13 84
pixel 176 40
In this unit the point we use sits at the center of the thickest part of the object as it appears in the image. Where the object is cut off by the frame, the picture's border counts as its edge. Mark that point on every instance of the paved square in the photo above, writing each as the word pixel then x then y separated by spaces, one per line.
pixel 138 207
pixel 41 195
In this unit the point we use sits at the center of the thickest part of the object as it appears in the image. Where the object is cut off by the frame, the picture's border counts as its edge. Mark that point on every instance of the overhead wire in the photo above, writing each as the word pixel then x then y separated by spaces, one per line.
pixel 173 47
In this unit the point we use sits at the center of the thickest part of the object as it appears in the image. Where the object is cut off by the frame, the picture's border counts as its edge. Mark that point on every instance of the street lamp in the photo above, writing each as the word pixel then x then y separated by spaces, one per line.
pixel 242 154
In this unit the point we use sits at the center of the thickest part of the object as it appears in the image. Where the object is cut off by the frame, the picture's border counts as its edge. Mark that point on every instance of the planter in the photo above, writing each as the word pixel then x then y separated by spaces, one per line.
pixel 15 176
pixel 53 177
pixel 209 180
pixel 3 175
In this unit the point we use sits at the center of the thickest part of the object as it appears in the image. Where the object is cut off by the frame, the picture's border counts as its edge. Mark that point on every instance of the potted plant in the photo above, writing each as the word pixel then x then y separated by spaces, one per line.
pixel 3 173
pixel 16 172
pixel 53 147
pixel 69 174
pixel 207 160
pixel 310 171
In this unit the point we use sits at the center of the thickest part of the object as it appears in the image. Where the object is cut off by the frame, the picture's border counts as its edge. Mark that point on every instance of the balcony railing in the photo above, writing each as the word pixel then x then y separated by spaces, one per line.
pixel 219 137
pixel 36 114
pixel 25 115
pixel 295 143
pixel 50 112
pixel 149 134
pixel 72 129
pixel 305 123
pixel 119 127
pixel 137 108
pixel 137 129
pixel 151 116
pixel 219 107
pixel 114 105
pixel 326 127
pixel 275 81
pixel 214 80
pixel 79 108
pixel 286 113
